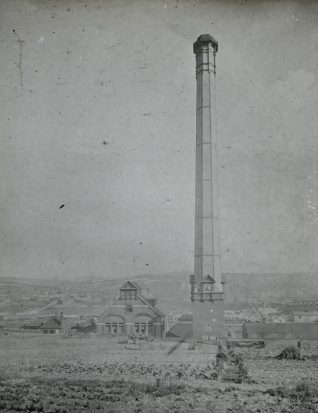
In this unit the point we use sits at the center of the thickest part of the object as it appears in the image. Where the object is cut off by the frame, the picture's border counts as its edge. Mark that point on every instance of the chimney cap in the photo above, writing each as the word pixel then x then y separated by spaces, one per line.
pixel 205 39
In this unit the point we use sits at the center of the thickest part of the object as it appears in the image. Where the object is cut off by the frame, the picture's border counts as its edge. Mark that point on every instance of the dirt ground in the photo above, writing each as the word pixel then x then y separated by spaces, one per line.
pixel 88 374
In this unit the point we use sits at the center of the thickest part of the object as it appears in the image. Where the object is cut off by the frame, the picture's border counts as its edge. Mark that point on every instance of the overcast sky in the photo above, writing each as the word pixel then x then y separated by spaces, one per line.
pixel 98 115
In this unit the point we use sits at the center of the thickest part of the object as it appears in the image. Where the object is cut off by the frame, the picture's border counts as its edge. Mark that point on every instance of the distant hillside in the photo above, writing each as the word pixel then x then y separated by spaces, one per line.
pixel 238 287
pixel 176 286
pixel 172 290
pixel 271 287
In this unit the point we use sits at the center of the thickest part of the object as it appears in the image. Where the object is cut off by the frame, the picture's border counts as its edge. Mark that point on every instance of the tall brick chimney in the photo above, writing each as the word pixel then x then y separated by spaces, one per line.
pixel 206 282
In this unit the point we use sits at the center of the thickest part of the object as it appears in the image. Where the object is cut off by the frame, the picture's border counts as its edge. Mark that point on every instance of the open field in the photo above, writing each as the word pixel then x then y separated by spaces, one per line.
pixel 56 374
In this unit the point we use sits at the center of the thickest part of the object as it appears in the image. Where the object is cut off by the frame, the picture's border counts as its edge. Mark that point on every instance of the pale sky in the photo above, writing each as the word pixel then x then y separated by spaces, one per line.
pixel 98 115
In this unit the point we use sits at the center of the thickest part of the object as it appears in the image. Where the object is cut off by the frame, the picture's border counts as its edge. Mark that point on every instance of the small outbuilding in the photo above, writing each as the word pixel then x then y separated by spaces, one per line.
pixel 52 326
pixel 183 330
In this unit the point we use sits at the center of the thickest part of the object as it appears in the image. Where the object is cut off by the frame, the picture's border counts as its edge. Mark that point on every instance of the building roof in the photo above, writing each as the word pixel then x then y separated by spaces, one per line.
pixel 181 331
pixel 131 285
pixel 143 294
pixel 208 279
pixel 145 300
pixel 308 331
pixel 140 286
pixel 91 328
pixel 51 324
pixel 306 313
pixel 308 305
pixel 186 317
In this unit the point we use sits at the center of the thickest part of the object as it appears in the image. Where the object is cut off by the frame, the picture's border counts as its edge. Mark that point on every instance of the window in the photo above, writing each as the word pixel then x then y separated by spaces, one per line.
pixel 137 328
pixel 107 328
pixel 120 328
pixel 208 287
pixel 143 328
pixel 114 327
pixel 128 308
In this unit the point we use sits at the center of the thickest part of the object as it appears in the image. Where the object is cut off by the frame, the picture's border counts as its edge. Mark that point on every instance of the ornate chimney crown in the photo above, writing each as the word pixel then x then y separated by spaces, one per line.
pixel 205 40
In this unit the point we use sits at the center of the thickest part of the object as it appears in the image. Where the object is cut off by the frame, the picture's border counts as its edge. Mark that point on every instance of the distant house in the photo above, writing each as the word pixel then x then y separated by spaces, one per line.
pixel 306 316
pixel 308 331
pixel 135 312
pixel 52 326
pixel 31 325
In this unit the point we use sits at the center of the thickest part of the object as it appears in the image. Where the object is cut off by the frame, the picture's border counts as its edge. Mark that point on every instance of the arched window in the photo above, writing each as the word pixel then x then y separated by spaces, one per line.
pixel 143 324
pixel 114 325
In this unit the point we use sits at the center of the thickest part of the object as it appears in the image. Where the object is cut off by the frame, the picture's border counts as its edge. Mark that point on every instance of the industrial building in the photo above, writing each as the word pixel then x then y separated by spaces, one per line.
pixel 135 312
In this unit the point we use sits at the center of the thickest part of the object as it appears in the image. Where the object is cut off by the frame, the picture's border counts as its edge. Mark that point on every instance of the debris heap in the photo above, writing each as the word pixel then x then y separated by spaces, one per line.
pixel 233 368
pixel 290 353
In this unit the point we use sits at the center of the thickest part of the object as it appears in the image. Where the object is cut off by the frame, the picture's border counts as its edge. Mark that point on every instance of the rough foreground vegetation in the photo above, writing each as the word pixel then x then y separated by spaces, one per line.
pixel 52 374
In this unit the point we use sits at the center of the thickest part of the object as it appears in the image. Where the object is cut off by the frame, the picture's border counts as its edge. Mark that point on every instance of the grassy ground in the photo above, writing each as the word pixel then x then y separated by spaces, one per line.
pixel 56 374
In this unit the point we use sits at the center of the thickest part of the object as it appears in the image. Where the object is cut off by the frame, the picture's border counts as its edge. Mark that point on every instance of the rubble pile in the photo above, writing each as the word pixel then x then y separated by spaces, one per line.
pixel 232 367
pixel 290 353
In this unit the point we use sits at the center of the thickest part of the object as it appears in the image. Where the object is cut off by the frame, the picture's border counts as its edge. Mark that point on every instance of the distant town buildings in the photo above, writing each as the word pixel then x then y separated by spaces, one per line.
pixel 285 331
pixel 109 309
pixel 306 316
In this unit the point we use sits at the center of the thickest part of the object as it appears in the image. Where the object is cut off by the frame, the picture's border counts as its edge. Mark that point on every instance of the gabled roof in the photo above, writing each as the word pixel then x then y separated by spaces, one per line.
pixel 141 285
pixel 154 308
pixel 147 294
pixel 208 279
pixel 130 285
pixel 51 324
pixel 143 294
pixel 136 285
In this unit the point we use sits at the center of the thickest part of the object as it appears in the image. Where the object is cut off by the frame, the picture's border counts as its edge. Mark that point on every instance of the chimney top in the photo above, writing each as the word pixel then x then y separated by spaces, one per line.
pixel 203 40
